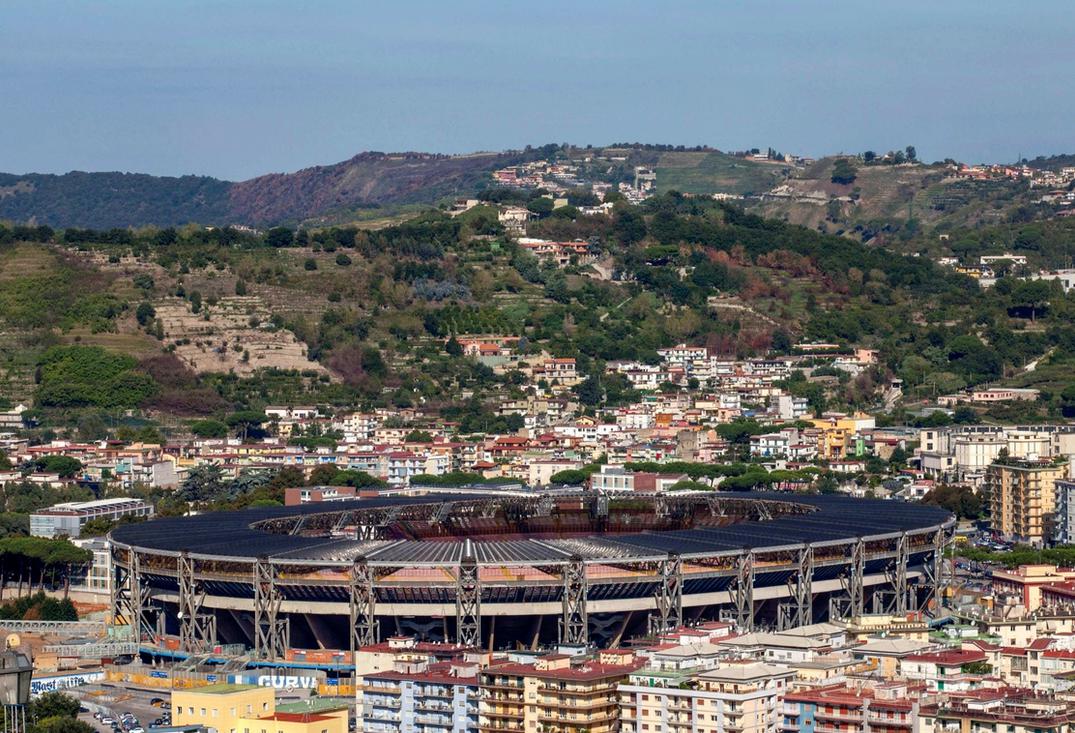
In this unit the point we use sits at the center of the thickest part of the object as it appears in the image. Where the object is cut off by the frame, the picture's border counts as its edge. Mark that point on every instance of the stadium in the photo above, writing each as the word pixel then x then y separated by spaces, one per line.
pixel 498 570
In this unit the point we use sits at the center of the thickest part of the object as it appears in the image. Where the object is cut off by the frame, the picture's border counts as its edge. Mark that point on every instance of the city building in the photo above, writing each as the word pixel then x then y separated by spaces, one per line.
pixel 998 711
pixel 1022 497
pixel 1064 532
pixel 732 697
pixel 881 708
pixel 222 706
pixel 555 692
pixel 67 520
pixel 439 697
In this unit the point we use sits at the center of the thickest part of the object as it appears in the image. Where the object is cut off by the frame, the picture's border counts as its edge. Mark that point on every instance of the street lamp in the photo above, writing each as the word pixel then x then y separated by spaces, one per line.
pixel 16 669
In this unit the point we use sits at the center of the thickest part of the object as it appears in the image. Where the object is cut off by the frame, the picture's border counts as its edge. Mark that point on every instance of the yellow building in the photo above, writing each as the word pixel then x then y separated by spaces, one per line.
pixel 220 707
pixel 1022 498
pixel 837 430
pixel 305 722
pixel 556 692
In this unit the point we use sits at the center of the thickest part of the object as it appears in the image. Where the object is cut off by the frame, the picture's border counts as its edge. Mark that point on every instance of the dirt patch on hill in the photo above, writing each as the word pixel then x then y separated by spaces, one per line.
pixel 237 337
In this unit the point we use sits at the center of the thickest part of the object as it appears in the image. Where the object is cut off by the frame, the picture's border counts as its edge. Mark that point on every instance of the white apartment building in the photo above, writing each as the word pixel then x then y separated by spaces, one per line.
pixel 732 697
pixel 66 520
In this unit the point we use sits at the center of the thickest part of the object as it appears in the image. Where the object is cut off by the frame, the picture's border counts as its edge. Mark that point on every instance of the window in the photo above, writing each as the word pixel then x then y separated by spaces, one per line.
pixel 203 712
pixel 265 706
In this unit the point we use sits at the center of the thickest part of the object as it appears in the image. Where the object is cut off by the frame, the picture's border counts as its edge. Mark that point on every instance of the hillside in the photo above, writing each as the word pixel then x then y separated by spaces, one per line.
pixel 882 198
pixel 105 200
pixel 717 172
pixel 366 180
pixel 885 198
pixel 342 316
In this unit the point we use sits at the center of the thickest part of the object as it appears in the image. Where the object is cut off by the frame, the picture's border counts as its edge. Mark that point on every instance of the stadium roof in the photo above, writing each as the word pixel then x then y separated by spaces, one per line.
pixel 836 520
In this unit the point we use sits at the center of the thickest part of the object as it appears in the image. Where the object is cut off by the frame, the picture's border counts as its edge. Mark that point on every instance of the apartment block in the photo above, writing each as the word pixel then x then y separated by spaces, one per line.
pixel 1022 498
pixel 735 696
pixel 421 698
pixel 556 693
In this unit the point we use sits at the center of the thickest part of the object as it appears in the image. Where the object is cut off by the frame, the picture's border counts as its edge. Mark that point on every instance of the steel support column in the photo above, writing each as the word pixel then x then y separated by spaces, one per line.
pixel 899 584
pixel 270 630
pixel 940 576
pixel 140 601
pixel 744 591
pixel 801 591
pixel 575 624
pixel 468 601
pixel 856 580
pixel 669 596
pixel 362 606
pixel 196 630
pixel 122 601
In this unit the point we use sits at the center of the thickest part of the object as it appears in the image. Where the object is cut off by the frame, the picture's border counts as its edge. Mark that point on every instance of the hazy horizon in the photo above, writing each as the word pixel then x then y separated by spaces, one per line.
pixel 241 89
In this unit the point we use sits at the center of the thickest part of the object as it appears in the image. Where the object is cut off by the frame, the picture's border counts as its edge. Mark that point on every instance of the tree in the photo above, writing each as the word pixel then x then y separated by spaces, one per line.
pixel 826 483
pixel 419 436
pixel 279 237
pixel 287 477
pixel 843 171
pixel 310 264
pixel 209 429
pixel 65 466
pixel 247 423
pixel 204 482
pixel 343 260
pixel 240 287
pixel 323 475
pixel 61 725
pixel 570 477
pixel 911 153
pixel 453 347
pixel 1067 400
pixel 53 705
pixel 542 206
pixel 589 391
pixel 145 314
pixel 1032 295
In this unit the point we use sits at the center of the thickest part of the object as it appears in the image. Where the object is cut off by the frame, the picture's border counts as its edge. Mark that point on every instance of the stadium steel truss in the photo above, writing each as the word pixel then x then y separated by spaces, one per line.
pixel 499 570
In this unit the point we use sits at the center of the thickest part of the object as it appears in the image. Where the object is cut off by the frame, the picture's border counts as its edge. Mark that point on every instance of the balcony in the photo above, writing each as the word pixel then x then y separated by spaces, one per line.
pixel 842 716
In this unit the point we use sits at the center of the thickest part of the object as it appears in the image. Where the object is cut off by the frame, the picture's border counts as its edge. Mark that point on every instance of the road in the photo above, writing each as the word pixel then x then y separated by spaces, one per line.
pixel 125 700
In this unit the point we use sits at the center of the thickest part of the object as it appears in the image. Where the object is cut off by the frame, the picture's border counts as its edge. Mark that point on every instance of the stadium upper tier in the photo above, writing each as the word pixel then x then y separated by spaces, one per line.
pixel 440 529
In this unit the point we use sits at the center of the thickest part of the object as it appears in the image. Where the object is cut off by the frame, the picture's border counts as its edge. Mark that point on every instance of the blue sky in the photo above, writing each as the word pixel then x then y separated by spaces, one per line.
pixel 237 89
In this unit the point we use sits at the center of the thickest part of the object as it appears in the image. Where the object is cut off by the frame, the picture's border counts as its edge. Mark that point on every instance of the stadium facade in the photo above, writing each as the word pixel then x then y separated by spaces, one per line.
pixel 498 570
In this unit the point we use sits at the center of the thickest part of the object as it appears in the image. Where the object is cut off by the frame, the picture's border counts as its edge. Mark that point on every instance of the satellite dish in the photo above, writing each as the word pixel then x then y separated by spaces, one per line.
pixel 12 641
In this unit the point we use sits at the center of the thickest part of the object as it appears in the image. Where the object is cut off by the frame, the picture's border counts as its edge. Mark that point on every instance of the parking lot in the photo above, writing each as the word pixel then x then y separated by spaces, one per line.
pixel 118 701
